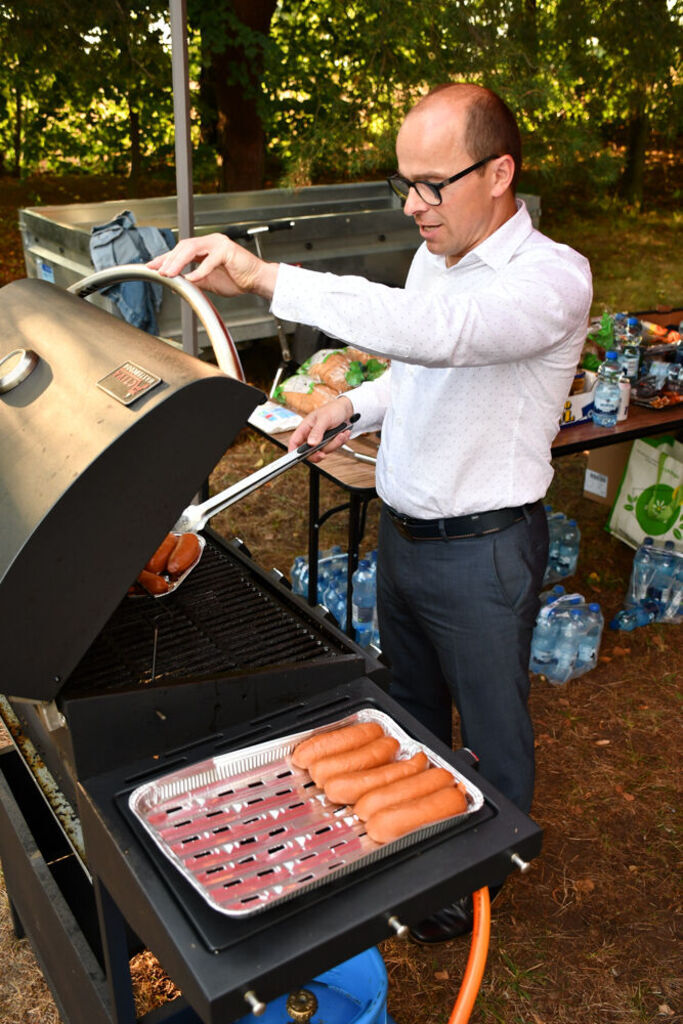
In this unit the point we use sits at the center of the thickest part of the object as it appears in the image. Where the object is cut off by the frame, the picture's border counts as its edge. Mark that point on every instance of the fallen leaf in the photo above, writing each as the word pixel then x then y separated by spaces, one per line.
pixel 621 650
pixel 441 975
pixel 633 867
pixel 665 1010
pixel 602 743
pixel 621 791
pixel 564 702
pixel 605 658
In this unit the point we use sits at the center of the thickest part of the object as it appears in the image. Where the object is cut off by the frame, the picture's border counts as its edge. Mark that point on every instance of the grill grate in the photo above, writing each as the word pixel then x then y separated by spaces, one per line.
pixel 222 619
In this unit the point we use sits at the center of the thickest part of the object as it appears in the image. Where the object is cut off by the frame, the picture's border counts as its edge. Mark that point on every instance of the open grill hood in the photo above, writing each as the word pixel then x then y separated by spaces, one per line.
pixel 90 485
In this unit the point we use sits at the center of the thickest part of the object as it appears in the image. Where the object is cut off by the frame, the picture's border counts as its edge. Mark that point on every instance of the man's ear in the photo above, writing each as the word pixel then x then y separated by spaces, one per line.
pixel 503 171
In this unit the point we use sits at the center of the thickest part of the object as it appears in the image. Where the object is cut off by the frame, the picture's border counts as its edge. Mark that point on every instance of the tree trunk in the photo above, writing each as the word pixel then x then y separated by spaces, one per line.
pixel 18 129
pixel 235 78
pixel 631 186
pixel 135 157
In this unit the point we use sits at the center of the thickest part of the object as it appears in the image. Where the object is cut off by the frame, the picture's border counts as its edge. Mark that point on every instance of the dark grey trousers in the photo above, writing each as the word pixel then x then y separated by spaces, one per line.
pixel 455 620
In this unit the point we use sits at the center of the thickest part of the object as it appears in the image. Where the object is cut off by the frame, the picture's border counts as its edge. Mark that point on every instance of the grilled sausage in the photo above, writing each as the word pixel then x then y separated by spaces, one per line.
pixel 370 755
pixel 403 789
pixel 152 583
pixel 159 559
pixel 334 742
pixel 346 789
pixel 393 822
pixel 184 554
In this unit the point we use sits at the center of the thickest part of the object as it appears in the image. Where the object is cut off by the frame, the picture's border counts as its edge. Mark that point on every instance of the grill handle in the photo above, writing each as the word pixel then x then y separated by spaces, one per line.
pixel 223 346
pixel 195 517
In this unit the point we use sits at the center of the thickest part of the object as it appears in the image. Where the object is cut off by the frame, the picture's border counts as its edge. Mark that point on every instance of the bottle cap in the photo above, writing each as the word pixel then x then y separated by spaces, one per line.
pixel 633 320
pixel 611 354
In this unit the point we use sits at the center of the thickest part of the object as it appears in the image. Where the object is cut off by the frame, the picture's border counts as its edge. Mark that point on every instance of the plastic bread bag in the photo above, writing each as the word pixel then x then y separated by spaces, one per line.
pixel 303 394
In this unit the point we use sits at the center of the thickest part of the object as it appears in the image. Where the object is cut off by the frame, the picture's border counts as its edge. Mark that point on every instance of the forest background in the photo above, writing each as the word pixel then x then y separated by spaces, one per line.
pixel 306 91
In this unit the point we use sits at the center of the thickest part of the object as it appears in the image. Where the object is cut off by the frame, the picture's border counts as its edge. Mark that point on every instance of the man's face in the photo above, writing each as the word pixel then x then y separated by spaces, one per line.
pixel 429 147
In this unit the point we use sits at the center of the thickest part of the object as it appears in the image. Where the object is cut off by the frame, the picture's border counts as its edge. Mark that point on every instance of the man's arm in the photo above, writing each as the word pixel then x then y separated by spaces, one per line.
pixel 224 268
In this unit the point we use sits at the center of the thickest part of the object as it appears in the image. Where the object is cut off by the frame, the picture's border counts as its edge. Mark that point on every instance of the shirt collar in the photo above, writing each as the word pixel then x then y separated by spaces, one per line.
pixel 499 248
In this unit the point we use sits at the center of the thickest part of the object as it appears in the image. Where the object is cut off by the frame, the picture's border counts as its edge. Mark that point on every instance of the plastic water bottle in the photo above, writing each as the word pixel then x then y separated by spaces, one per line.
pixel 570 630
pixel 334 598
pixel 299 564
pixel 542 658
pixel 556 521
pixel 663 577
pixel 642 573
pixel 607 394
pixel 674 608
pixel 629 619
pixel 619 330
pixel 589 641
pixel 363 602
pixel 568 548
pixel 552 594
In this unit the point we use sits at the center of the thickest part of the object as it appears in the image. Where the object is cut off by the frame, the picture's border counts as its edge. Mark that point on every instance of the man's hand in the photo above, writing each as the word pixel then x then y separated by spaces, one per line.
pixel 311 430
pixel 224 267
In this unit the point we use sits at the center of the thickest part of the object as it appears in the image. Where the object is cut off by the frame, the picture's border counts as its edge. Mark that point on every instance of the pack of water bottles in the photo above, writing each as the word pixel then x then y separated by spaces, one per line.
pixel 655 589
pixel 333 586
pixel 563 552
pixel 567 635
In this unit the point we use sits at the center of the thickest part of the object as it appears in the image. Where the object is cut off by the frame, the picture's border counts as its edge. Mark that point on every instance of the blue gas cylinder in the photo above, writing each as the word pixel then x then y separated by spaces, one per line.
pixel 355 992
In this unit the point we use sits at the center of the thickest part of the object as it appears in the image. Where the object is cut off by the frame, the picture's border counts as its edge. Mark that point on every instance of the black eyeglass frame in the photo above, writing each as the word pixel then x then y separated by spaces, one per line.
pixel 434 188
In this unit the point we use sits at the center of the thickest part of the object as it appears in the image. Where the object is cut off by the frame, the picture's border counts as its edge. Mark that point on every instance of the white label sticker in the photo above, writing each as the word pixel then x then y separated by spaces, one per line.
pixel 595 483
pixel 46 272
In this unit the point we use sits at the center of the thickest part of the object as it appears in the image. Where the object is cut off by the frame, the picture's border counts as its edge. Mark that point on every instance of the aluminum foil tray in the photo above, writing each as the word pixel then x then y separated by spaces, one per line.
pixel 249 830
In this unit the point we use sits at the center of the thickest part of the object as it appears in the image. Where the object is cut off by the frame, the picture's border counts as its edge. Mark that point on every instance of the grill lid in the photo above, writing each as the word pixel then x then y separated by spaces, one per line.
pixel 104 442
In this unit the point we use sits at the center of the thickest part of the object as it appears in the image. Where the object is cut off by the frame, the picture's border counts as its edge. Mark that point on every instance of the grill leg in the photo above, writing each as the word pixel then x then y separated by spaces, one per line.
pixel 115 949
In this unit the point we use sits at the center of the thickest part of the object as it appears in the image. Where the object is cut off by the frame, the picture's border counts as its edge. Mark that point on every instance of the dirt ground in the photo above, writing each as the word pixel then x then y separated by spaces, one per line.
pixel 589 934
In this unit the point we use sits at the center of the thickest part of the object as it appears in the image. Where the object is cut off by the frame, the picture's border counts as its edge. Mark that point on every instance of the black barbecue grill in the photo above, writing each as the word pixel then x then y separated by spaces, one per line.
pixel 107 691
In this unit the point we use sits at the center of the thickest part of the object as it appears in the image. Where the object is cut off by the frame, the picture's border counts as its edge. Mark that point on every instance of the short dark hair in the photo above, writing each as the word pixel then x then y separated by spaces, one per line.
pixel 490 127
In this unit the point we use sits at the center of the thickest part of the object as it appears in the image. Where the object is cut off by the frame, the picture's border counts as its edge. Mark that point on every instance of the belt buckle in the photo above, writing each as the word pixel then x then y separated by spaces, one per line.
pixel 401 525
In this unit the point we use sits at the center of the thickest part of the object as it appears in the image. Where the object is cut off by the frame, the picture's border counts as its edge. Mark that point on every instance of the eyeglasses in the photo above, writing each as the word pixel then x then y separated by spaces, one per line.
pixel 429 191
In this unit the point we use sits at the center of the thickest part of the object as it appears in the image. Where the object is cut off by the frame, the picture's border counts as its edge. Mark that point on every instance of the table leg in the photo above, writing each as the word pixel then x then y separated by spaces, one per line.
pixel 355 535
pixel 313 533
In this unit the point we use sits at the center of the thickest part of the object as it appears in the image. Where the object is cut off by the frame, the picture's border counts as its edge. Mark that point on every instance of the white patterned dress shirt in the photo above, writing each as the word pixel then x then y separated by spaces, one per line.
pixel 483 355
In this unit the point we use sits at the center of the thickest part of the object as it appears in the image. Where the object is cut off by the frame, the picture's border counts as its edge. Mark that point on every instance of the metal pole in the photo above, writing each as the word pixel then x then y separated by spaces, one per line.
pixel 183 151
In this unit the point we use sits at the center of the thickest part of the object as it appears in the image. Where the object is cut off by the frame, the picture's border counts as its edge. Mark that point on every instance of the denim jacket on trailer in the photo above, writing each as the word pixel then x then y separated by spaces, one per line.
pixel 120 241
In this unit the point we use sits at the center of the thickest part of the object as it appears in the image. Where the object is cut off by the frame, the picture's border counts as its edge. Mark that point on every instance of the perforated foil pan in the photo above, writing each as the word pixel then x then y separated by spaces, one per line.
pixel 249 830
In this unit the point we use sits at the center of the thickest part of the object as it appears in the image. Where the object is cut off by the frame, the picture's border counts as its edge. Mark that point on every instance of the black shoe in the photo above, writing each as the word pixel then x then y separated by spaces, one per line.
pixel 448 923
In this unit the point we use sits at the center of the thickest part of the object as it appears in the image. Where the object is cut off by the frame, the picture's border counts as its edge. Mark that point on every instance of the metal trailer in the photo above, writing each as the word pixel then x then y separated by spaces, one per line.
pixel 356 228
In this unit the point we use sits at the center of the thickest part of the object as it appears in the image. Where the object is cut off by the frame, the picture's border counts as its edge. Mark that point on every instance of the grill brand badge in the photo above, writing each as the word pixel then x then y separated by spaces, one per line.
pixel 128 382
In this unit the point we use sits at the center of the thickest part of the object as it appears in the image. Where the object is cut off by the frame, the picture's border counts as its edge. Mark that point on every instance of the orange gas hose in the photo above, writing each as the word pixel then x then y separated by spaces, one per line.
pixel 474 971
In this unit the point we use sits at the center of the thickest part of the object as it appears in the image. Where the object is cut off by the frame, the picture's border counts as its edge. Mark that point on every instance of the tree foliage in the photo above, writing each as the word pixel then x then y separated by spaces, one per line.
pixel 314 90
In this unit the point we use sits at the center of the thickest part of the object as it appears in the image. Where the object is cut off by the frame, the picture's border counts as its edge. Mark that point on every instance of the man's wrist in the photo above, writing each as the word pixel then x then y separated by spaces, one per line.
pixel 265 280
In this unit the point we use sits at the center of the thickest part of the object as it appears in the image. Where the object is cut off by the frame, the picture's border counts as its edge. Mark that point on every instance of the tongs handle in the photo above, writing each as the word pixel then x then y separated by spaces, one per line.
pixel 195 517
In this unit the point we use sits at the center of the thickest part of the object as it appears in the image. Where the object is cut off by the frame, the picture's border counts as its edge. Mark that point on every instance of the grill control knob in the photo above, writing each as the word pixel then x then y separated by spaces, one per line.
pixel 301 1006
pixel 402 930
pixel 256 1006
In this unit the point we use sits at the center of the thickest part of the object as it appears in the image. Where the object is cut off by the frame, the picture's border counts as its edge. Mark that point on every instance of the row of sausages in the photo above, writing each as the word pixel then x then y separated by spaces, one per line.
pixel 356 765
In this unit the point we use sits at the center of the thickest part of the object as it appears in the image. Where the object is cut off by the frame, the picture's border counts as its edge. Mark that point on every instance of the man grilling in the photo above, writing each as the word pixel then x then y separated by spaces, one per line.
pixel 484 340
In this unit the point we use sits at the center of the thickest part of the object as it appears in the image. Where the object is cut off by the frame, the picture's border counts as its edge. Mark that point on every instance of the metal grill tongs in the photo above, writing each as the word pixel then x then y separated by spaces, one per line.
pixel 195 517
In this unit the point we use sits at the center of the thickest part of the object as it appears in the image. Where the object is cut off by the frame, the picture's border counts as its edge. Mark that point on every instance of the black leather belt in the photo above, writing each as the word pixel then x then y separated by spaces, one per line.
pixel 476 525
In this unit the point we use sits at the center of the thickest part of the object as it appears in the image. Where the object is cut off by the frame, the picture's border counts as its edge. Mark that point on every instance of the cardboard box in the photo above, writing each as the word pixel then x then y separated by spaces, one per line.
pixel 604 470
pixel 577 408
